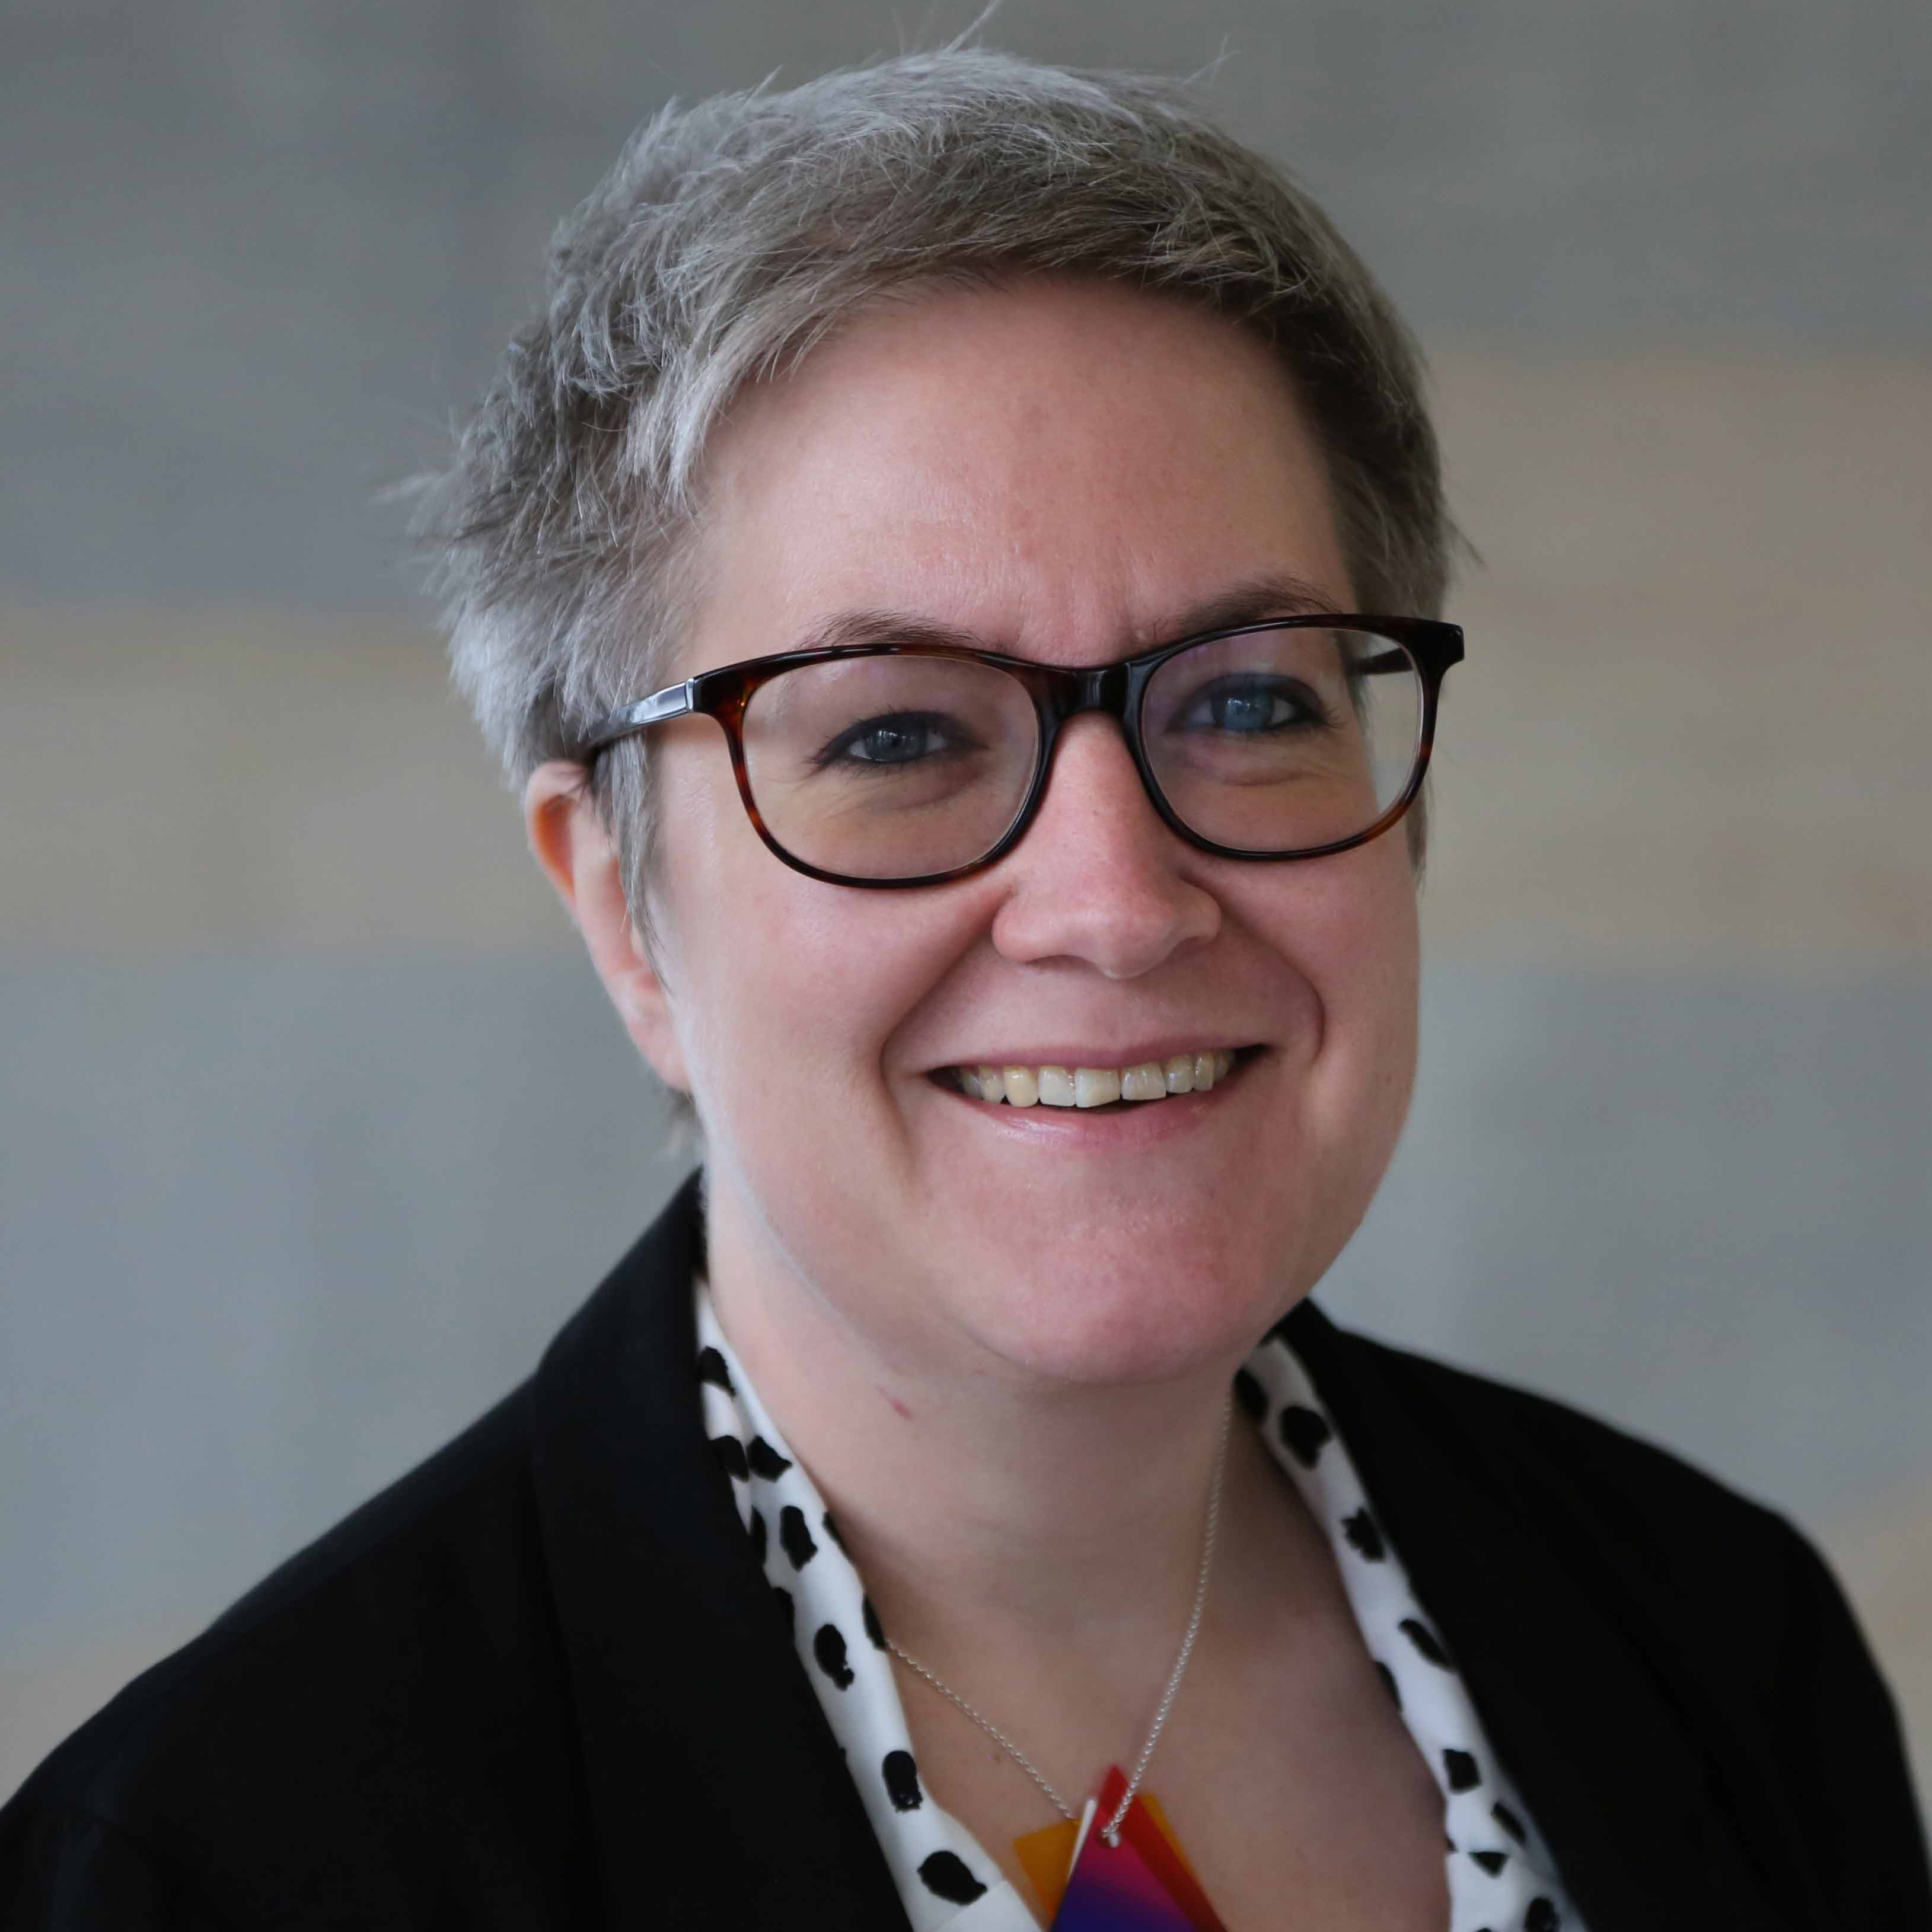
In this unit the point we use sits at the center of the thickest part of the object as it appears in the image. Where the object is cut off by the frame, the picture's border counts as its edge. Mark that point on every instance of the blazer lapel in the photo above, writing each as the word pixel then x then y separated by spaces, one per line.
pixel 717 1795
pixel 1616 1771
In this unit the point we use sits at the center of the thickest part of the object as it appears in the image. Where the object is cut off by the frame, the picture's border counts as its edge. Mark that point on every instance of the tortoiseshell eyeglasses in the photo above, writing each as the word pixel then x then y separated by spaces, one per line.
pixel 892 764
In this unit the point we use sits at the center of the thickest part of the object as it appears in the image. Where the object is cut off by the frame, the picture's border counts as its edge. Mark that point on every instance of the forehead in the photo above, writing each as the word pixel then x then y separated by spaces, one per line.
pixel 1061 467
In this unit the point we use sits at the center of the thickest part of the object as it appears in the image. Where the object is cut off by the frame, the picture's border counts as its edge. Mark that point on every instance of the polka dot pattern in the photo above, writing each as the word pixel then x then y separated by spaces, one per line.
pixel 944 1877
pixel 1501 1878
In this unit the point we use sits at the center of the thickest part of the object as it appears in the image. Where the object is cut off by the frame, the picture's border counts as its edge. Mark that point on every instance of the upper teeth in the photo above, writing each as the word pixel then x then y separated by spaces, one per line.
pixel 1096 1086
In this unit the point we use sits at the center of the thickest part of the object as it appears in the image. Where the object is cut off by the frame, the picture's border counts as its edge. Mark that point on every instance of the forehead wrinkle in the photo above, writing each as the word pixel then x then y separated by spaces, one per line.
pixel 1249 600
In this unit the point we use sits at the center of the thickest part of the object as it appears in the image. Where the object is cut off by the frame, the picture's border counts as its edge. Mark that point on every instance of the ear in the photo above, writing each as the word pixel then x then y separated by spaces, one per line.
pixel 581 861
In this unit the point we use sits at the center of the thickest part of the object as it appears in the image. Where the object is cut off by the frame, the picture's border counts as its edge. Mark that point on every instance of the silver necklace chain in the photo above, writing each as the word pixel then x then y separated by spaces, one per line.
pixel 1110 1831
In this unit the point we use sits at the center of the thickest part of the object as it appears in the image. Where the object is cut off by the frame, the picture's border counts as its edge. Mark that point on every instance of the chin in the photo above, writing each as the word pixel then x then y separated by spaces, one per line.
pixel 1109 1322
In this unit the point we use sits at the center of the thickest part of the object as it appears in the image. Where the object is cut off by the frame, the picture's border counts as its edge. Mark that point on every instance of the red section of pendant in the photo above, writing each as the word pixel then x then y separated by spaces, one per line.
pixel 1141 1884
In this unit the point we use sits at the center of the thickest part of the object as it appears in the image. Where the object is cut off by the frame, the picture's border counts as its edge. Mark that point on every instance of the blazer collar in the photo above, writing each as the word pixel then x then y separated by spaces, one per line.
pixel 699 1730
pixel 1620 1775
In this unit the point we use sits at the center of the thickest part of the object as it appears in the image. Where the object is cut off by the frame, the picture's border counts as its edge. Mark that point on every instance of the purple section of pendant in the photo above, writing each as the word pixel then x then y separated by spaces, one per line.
pixel 1112 1891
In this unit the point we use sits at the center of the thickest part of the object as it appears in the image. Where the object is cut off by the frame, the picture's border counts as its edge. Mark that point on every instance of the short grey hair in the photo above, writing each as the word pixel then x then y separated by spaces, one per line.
pixel 732 235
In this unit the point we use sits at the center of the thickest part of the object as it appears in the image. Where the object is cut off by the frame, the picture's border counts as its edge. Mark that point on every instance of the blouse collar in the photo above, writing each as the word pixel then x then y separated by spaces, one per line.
pixel 1499 1870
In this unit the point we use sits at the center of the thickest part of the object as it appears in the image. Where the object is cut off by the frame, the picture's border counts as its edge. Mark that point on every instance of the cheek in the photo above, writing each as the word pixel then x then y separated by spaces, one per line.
pixel 1346 929
pixel 1367 979
pixel 782 984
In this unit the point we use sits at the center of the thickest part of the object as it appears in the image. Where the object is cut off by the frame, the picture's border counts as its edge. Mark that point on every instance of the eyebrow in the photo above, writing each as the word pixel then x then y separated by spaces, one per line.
pixel 1250 600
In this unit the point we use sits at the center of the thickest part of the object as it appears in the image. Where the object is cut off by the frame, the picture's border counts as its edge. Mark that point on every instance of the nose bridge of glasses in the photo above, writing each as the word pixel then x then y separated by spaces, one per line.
pixel 1109 689
pixel 1071 691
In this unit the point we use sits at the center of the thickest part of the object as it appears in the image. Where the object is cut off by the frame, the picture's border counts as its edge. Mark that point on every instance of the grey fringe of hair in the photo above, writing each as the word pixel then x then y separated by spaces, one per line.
pixel 734 235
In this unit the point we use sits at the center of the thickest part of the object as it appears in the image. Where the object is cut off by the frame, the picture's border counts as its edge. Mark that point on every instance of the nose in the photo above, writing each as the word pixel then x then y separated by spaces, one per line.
pixel 1099 877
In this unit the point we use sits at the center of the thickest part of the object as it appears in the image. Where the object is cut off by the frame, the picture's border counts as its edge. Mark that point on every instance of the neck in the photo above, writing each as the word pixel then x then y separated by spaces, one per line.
pixel 992 1513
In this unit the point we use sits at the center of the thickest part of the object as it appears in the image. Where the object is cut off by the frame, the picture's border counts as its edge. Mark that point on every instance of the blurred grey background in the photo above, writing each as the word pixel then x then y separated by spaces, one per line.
pixel 315 1124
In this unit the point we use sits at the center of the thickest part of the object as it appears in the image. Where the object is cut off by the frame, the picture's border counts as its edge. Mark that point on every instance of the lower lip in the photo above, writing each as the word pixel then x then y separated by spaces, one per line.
pixel 1138 1123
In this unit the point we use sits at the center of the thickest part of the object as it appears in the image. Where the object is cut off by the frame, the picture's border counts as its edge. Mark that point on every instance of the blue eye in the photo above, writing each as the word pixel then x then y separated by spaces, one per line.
pixel 1246 706
pixel 893 742
pixel 1249 710
pixel 897 738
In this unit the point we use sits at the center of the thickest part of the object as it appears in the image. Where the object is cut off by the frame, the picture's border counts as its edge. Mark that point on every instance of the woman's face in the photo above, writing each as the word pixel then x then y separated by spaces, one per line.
pixel 1072 471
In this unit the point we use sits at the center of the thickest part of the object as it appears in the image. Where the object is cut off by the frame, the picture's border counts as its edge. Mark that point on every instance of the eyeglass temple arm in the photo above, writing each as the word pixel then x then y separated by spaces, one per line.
pixel 674 701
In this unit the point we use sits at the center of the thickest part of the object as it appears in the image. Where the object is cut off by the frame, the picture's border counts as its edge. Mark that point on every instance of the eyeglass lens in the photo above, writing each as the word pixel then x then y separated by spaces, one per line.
pixel 899 767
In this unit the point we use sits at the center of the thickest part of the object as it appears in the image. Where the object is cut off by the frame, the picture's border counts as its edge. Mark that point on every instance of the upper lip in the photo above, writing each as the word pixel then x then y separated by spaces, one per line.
pixel 1167 1046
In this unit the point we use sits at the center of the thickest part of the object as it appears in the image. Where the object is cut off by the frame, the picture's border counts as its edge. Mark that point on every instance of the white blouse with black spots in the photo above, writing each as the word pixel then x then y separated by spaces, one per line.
pixel 1502 1877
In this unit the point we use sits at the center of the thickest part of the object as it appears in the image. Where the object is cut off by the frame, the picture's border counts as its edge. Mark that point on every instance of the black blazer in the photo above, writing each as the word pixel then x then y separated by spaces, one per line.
pixel 540 1681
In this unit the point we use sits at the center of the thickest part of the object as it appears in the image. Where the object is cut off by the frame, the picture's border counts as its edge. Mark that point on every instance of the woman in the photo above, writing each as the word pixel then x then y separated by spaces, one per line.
pixel 914 571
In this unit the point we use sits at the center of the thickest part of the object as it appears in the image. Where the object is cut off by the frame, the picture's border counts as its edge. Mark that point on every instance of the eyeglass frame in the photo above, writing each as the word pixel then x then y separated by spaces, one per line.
pixel 1059 692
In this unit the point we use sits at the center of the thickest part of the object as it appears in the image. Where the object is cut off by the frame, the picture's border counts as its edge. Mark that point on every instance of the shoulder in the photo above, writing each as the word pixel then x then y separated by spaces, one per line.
pixel 1577 1477
pixel 1711 1588
pixel 1710 1607
pixel 376 1690
pixel 1595 1582
pixel 1646 1524
pixel 1726 1583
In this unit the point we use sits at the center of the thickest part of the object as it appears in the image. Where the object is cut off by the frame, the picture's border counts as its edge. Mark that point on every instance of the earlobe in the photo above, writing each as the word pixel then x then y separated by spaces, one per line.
pixel 569 840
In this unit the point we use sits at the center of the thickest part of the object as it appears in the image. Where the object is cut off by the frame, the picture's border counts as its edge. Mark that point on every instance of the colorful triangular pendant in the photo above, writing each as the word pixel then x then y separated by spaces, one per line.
pixel 1143 1884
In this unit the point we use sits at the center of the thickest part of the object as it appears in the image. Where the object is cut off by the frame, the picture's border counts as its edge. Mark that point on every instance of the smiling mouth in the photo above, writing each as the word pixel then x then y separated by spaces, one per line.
pixel 1118 1088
